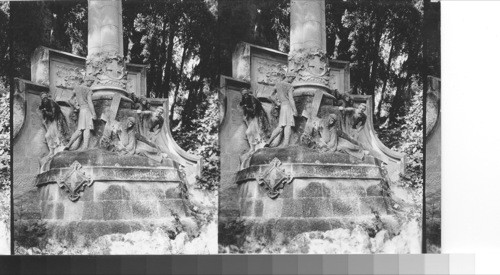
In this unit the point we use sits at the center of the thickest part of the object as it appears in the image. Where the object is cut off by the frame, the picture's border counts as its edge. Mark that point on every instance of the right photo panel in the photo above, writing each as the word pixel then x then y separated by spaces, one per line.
pixel 322 126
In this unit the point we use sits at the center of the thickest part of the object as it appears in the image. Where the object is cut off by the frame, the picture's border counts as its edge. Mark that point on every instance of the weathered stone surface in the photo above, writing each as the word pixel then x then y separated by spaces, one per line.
pixel 247 208
pixel 87 194
pixel 307 189
pixel 287 191
pixel 229 195
pixel 173 191
pixel 284 229
pixel 145 209
pixel 259 208
pixel 60 211
pixel 146 191
pixel 292 208
pixel 314 171
pixel 254 190
pixel 316 207
pixel 169 206
pixel 72 211
pixel 347 188
pixel 320 224
pixel 108 192
pixel 50 192
pixel 370 204
pixel 116 210
pixel 48 210
pixel 345 206
pixel 241 62
pixel 298 154
pixel 374 191
pixel 98 157
pixel 272 207
pixel 29 146
pixel 93 211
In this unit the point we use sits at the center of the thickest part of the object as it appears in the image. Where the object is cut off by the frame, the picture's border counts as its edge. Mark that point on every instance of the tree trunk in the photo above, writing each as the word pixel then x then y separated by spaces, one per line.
pixel 168 65
pixel 184 51
pixel 379 26
pixel 386 78
pixel 162 60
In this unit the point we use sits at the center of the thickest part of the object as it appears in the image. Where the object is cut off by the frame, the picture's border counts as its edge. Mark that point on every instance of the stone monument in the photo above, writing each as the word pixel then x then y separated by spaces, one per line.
pixel 329 170
pixel 92 155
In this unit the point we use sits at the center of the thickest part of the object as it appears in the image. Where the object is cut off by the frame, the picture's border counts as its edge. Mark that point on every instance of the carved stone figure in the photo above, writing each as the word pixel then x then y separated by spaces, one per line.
pixel 56 127
pixel 342 99
pixel 334 139
pixel 257 124
pixel 312 132
pixel 83 102
pixel 284 96
pixel 144 104
pixel 152 121
pixel 354 119
pixel 127 138
pixel 55 123
pixel 152 144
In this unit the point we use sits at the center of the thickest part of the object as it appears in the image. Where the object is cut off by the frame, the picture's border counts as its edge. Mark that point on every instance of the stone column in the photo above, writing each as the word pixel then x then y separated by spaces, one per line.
pixel 307 58
pixel 307 25
pixel 105 63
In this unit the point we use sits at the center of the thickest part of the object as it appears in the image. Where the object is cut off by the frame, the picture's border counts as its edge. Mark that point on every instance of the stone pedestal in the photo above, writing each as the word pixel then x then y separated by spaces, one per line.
pixel 322 191
pixel 98 193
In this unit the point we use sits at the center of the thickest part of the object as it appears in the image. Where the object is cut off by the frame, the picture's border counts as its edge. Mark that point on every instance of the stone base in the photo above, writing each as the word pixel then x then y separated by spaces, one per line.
pixel 322 191
pixel 82 233
pixel 313 198
pixel 282 230
pixel 92 193
pixel 113 201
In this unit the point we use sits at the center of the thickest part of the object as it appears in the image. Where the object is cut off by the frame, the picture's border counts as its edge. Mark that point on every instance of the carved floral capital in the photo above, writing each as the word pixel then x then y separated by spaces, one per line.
pixel 309 65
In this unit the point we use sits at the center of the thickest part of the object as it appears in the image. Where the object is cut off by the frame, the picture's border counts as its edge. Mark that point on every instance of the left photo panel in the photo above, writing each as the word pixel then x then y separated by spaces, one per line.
pixel 5 184
pixel 115 127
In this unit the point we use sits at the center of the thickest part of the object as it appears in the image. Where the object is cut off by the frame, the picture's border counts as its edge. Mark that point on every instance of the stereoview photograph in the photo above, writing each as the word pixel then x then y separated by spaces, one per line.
pixel 115 127
pixel 322 131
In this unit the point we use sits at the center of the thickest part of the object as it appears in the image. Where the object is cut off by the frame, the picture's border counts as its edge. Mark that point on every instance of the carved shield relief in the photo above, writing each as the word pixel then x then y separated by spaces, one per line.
pixel 274 178
pixel 75 181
